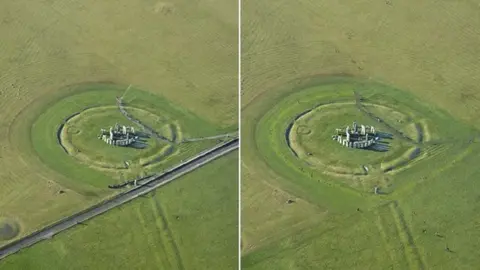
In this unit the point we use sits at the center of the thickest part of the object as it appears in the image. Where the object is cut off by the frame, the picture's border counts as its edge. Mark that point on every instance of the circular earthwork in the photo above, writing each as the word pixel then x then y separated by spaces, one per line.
pixel 63 134
pixel 296 133
pixel 79 136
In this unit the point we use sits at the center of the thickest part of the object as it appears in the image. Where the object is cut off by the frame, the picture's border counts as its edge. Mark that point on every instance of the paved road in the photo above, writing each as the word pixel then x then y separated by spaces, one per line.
pixel 156 181
pixel 227 135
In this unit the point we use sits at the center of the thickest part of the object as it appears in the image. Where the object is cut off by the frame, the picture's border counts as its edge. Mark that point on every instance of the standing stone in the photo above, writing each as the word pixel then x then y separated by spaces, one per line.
pixel 348 136
pixel 363 131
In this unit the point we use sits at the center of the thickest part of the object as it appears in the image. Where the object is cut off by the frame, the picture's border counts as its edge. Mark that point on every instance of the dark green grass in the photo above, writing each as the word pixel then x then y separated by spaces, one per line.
pixel 190 223
pixel 44 129
pixel 270 129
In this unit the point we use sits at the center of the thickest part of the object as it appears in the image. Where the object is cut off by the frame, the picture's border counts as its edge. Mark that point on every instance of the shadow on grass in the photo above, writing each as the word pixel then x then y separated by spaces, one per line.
pixel 379 147
pixel 383 144
pixel 141 142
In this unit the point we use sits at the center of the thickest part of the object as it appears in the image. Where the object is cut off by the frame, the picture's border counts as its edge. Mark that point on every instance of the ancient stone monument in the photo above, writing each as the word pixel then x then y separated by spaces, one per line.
pixel 118 135
pixel 355 137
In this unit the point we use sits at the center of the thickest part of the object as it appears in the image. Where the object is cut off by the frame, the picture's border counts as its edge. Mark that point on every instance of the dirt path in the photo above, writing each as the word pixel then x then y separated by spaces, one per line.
pixel 150 131
pixel 358 103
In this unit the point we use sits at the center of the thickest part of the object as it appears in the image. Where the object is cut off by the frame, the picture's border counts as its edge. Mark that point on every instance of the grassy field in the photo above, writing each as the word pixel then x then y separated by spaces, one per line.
pixel 422 55
pixel 182 56
pixel 155 231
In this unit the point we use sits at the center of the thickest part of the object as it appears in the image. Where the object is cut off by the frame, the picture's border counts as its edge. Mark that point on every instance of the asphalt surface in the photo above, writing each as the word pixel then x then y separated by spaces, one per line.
pixel 146 187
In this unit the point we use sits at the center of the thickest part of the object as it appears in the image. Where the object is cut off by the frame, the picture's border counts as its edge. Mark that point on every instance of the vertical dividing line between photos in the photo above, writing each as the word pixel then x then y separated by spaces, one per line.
pixel 239 134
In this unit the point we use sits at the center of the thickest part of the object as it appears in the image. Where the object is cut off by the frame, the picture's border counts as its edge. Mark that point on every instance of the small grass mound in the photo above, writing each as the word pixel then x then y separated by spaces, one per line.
pixel 9 229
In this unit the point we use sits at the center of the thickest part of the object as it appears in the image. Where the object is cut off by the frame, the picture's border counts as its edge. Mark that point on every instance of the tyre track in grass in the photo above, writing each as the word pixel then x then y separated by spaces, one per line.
pixel 414 257
pixel 155 253
pixel 157 208
pixel 382 225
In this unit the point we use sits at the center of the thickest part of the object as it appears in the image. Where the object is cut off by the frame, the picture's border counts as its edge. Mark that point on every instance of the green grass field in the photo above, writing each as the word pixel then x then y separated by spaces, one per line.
pixel 155 231
pixel 175 64
pixel 407 60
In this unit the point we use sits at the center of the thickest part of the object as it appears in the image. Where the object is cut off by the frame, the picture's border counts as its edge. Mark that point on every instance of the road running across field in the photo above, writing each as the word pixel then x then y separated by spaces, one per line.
pixel 152 183
pixel 221 136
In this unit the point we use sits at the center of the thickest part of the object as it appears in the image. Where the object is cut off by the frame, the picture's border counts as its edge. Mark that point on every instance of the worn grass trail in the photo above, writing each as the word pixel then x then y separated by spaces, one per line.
pixel 414 257
pixel 163 226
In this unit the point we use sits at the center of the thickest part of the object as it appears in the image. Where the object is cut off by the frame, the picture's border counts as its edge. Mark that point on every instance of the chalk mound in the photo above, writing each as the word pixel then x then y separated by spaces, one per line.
pixel 9 229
